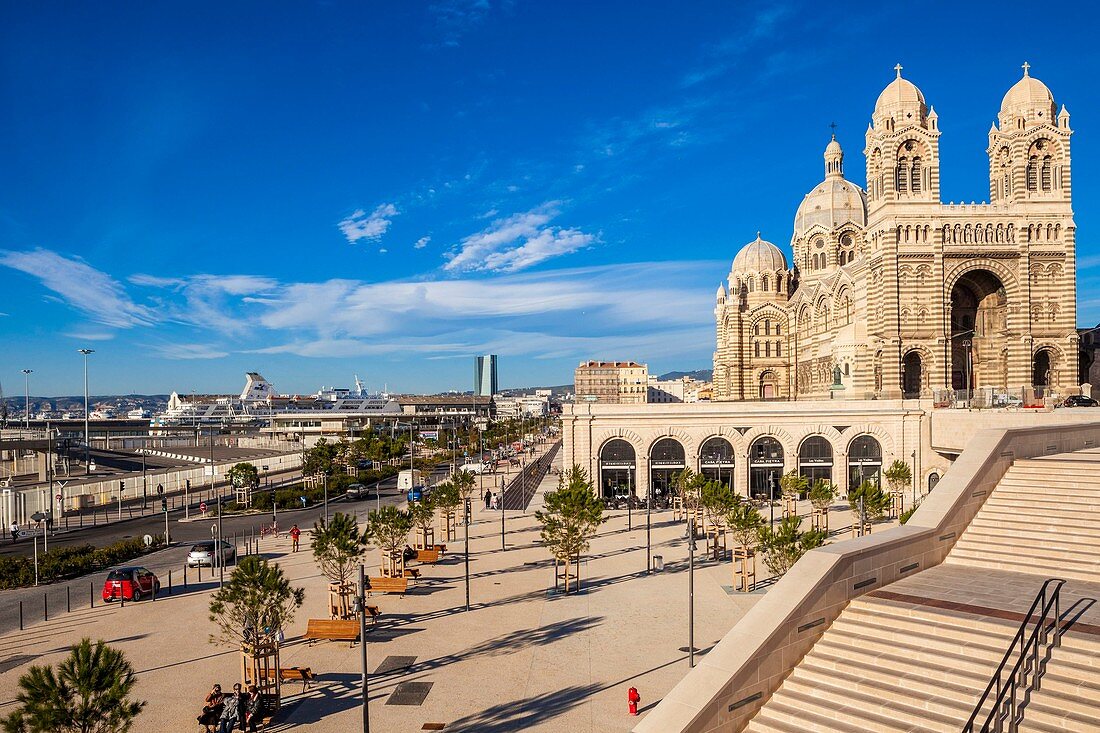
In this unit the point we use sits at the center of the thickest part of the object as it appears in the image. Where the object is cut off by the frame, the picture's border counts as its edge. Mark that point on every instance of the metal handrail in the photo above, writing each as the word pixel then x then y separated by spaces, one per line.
pixel 1028 665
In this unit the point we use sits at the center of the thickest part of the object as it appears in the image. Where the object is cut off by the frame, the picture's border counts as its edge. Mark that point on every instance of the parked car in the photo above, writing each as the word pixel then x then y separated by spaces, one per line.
pixel 1079 400
pixel 415 494
pixel 357 491
pixel 131 583
pixel 202 553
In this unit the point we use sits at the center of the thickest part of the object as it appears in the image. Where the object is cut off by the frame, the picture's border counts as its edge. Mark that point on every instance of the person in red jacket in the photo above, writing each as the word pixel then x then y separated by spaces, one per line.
pixel 295 533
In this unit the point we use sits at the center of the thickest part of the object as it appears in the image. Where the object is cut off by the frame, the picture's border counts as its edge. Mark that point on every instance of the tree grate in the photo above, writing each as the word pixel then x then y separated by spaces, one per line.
pixel 394 663
pixel 410 693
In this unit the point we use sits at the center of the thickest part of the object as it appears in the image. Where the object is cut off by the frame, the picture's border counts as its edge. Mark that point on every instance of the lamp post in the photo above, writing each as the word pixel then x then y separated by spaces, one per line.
pixel 87 454
pixel 466 522
pixel 502 485
pixel 362 603
pixel 691 592
pixel 27 388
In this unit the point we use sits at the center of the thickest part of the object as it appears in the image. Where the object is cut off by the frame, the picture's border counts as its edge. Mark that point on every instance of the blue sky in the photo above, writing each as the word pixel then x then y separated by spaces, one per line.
pixel 314 190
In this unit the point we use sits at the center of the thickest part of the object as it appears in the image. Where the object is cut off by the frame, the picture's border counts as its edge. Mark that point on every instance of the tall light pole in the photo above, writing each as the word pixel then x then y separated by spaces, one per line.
pixel 362 603
pixel 27 386
pixel 87 450
pixel 691 592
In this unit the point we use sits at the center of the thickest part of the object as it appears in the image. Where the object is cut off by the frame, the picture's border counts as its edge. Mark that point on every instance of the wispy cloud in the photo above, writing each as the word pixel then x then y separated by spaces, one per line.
pixel 96 294
pixel 517 242
pixel 422 243
pixel 190 351
pixel 371 227
pixel 91 335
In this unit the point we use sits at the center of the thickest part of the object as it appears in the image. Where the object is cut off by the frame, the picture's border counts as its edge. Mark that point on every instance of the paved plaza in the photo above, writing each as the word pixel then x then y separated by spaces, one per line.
pixel 523 658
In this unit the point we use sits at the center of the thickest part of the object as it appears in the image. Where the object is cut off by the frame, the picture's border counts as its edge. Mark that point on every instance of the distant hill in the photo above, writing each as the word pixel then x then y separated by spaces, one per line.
pixel 702 375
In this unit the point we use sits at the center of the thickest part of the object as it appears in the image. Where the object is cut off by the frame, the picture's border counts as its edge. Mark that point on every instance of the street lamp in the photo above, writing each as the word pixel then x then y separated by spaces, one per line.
pixel 27 384
pixel 691 592
pixel 87 453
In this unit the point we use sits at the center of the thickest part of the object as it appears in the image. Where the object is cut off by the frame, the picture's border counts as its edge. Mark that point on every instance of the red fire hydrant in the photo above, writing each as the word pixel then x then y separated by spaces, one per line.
pixel 633 698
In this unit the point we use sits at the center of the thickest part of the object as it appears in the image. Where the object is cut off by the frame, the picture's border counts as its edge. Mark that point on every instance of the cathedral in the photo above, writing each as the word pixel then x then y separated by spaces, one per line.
pixel 894 294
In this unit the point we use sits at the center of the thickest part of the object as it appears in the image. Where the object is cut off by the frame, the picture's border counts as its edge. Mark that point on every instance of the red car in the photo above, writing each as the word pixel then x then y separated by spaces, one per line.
pixel 130 583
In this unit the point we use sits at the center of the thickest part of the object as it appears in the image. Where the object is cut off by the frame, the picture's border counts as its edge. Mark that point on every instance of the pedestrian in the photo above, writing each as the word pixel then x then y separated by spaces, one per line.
pixel 295 533
pixel 15 530
pixel 254 710
pixel 231 711
pixel 494 504
pixel 488 497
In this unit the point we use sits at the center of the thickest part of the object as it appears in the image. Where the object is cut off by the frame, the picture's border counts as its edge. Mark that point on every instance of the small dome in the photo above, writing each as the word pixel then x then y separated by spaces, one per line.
pixel 833 202
pixel 759 256
pixel 833 148
pixel 1028 98
pixel 902 101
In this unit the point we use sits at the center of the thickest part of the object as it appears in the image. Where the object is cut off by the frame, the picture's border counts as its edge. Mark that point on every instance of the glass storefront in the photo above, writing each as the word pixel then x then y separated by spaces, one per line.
pixel 617 468
pixel 765 467
pixel 716 461
pixel 864 462
pixel 815 459
pixel 666 460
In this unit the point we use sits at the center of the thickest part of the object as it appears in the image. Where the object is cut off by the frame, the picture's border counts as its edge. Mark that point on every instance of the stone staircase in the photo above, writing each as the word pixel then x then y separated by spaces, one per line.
pixel 915 656
pixel 1041 519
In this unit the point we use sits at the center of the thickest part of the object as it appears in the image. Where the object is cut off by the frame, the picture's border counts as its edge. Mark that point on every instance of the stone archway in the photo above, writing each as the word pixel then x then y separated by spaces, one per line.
pixel 979 325
pixel 912 374
pixel 1041 365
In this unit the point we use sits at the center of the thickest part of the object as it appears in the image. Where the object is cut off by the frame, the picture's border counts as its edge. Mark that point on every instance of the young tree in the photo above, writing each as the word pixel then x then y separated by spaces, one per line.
pixel 898 476
pixel 254 604
pixel 338 546
pixel 690 486
pixel 716 499
pixel 89 693
pixel 243 474
pixel 389 528
pixel 793 484
pixel 823 494
pixel 423 515
pixel 569 518
pixel 744 522
pixel 447 500
pixel 875 501
pixel 785 543
pixel 466 483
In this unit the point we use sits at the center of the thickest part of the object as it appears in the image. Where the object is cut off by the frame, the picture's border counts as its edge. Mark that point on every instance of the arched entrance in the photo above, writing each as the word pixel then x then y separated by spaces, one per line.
pixel 979 322
pixel 769 385
pixel 815 459
pixel 912 375
pixel 617 467
pixel 864 462
pixel 1040 368
pixel 716 460
pixel 666 459
pixel 765 467
pixel 933 479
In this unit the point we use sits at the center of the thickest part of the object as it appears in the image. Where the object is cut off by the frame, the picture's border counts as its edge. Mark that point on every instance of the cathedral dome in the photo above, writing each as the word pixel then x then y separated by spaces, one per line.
pixel 902 101
pixel 1028 98
pixel 834 201
pixel 759 256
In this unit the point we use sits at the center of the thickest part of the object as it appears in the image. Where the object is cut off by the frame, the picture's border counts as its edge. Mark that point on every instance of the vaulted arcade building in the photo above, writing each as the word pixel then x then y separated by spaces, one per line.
pixel 893 293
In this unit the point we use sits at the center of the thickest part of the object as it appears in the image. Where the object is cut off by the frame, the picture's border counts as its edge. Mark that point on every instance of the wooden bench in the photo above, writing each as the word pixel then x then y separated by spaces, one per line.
pixel 387 585
pixel 294 674
pixel 413 573
pixel 427 556
pixel 318 629
pixel 375 613
pixel 441 549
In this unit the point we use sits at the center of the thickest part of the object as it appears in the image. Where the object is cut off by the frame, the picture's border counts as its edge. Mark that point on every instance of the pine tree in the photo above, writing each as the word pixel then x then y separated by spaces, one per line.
pixel 89 693
pixel 570 517
pixel 389 528
pixel 338 546
pixel 253 604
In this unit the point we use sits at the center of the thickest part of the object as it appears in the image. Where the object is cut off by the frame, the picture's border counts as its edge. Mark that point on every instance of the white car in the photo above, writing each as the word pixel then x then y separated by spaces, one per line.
pixel 202 553
pixel 357 491
pixel 472 467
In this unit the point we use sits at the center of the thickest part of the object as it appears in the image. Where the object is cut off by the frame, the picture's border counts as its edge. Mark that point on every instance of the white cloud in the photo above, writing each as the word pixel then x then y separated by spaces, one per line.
pixel 190 351
pixel 371 227
pixel 422 242
pixel 81 286
pixel 517 242
pixel 91 335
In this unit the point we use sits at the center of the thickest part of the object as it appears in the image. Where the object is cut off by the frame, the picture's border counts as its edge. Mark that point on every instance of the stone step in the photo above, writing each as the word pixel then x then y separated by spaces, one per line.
pixel 1023 524
pixel 1026 556
pixel 789 712
pixel 1024 549
pixel 1035 538
pixel 929 637
pixel 905 709
pixel 946 697
pixel 900 614
pixel 1043 505
pixel 1074 523
pixel 963 659
pixel 1035 487
pixel 1039 569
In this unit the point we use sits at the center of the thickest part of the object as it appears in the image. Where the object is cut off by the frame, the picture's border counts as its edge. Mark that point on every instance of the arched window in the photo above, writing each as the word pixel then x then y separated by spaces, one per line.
pixel 767 348
pixel 778 329
pixel 914 180
pixel 752 285
pixel 1045 178
pixel 901 175
pixel 778 348
pixel 756 349
pixel 765 282
pixel 1032 163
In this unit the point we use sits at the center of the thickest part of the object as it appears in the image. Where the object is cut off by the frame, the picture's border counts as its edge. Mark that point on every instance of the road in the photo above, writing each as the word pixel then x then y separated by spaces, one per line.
pixel 186 532
pixel 56 598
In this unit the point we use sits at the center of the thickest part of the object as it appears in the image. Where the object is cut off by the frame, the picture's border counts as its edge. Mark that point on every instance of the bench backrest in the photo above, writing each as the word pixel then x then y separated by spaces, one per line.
pixel 376 583
pixel 329 626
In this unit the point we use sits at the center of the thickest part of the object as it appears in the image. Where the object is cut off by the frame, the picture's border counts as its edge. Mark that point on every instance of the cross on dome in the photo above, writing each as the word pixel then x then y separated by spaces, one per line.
pixel 898 68
pixel 1026 67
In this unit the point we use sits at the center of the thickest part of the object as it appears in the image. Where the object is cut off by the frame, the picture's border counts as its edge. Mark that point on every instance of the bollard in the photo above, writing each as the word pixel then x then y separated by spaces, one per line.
pixel 185 577
pixel 20 615
pixel 199 566
pixel 154 592
pixel 91 596
pixel 45 608
pixel 68 600
pixel 169 582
